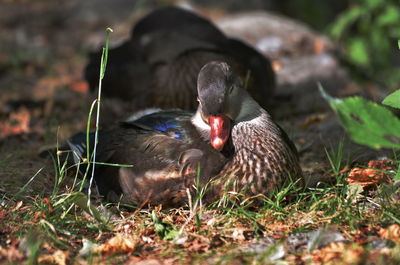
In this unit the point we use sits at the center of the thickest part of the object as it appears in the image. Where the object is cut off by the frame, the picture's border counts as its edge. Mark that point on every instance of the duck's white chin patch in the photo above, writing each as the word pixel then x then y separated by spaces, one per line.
pixel 199 123
pixel 218 143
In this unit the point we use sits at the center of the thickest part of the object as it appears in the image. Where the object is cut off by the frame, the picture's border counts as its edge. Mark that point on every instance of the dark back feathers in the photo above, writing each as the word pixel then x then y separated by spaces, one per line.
pixel 158 66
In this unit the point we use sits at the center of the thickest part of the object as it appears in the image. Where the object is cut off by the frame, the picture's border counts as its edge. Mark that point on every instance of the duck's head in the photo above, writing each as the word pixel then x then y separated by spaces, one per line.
pixel 223 102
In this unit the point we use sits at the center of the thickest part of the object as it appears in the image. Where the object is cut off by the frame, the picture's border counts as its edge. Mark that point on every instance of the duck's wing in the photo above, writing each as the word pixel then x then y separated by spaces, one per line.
pixel 153 130
pixel 143 158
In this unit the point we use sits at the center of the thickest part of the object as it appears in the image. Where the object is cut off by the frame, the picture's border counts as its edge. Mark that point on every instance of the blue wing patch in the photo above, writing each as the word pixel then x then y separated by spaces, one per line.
pixel 166 121
pixel 170 127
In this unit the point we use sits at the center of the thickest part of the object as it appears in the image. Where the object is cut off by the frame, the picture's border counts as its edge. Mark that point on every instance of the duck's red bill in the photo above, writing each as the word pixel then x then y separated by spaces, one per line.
pixel 220 130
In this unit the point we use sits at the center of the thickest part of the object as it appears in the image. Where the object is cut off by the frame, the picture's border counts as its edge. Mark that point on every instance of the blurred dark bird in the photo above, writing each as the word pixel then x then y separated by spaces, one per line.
pixel 231 137
pixel 158 66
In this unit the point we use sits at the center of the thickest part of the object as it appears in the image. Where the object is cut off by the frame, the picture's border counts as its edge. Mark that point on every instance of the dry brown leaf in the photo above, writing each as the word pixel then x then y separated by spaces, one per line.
pixel 339 251
pixel 392 232
pixel 59 257
pixel 117 244
pixel 3 214
pixel 197 245
pixel 238 234
pixel 80 86
pixel 48 203
pixel 370 176
pixel 17 123
pixel 278 229
pixel 11 254
pixel 16 208
pixel 313 120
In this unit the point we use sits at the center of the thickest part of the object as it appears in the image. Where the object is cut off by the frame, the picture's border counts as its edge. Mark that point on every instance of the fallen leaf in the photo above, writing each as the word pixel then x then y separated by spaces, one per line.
pixel 17 123
pixel 117 244
pixel 238 234
pixel 373 175
pixel 339 251
pixel 391 232
pixel 313 119
pixel 80 86
pixel 11 254
pixel 181 240
pixel 354 191
pixel 216 242
pixel 3 214
pixel 87 247
pixel 212 221
pixel 48 203
pixel 16 208
pixel 197 245
pixel 59 257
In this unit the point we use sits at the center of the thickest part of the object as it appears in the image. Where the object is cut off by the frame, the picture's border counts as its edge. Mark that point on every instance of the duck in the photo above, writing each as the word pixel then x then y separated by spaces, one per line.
pixel 230 137
pixel 158 66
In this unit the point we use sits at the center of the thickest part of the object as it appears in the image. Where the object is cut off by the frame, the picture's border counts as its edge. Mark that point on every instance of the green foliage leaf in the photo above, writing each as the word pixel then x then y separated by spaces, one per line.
pixel 397 176
pixel 393 100
pixel 390 16
pixel 344 20
pixel 366 122
pixel 163 229
pixel 366 30
pixel 372 4
pixel 358 51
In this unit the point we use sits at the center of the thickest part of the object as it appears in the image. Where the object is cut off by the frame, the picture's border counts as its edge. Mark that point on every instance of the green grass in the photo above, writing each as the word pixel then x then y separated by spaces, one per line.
pixel 335 157
pixel 194 234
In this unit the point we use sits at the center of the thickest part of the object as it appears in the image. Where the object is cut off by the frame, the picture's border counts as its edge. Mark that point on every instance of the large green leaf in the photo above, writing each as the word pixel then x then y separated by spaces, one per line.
pixel 393 100
pixel 366 122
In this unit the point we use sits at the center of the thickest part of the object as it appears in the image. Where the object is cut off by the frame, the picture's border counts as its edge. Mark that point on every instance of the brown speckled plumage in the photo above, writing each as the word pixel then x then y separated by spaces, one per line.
pixel 263 158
